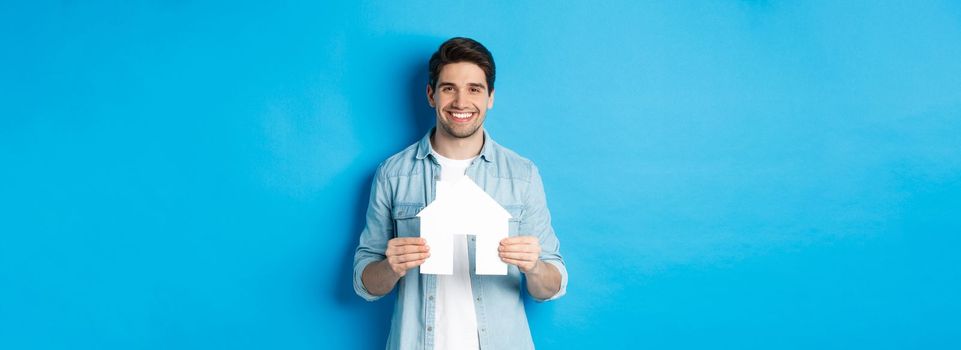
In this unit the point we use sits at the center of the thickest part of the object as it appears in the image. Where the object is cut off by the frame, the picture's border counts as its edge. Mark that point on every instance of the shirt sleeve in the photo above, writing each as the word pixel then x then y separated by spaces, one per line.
pixel 378 229
pixel 537 220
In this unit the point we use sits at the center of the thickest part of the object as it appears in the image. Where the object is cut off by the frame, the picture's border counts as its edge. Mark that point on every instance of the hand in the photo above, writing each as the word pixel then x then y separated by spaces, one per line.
pixel 523 251
pixel 406 253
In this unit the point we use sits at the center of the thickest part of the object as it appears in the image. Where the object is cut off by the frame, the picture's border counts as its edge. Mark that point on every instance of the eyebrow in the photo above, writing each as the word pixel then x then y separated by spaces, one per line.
pixel 447 83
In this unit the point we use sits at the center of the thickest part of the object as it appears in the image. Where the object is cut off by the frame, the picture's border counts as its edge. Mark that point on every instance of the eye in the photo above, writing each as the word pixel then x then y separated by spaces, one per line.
pixel 447 89
pixel 475 90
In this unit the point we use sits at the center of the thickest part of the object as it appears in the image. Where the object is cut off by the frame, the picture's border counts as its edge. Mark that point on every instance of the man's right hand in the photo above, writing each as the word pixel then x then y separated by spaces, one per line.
pixel 402 254
pixel 405 253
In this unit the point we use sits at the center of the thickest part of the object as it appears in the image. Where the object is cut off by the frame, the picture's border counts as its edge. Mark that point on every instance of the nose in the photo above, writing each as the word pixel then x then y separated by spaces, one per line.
pixel 460 100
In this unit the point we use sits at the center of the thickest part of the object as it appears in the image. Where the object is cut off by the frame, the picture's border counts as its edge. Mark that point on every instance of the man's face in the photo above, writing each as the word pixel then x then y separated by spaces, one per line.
pixel 461 100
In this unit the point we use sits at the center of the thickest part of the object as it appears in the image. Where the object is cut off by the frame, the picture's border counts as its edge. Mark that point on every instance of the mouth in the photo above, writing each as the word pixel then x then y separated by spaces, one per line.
pixel 461 117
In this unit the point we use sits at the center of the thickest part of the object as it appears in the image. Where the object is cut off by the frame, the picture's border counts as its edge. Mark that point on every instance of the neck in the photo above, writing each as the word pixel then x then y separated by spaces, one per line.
pixel 457 148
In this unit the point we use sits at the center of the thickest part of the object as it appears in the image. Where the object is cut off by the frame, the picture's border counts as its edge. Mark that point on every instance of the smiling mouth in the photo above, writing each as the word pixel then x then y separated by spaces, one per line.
pixel 461 117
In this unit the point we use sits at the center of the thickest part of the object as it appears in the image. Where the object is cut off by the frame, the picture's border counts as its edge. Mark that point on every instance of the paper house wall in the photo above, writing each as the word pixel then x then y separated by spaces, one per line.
pixel 463 208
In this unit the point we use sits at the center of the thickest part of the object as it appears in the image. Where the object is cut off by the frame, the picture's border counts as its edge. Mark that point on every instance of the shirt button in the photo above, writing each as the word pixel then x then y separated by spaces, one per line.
pixel 429 328
pixel 483 329
pixel 472 238
pixel 478 299
pixel 431 298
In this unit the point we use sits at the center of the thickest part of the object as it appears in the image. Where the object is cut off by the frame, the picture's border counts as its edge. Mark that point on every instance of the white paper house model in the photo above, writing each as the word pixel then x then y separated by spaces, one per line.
pixel 463 208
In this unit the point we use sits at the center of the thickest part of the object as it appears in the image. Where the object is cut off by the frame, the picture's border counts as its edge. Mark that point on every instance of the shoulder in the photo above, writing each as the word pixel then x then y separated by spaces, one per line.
pixel 510 164
pixel 400 164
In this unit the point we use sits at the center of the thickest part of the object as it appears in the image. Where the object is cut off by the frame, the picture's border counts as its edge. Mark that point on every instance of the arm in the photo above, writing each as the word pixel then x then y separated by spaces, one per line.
pixel 543 279
pixel 379 278
pixel 537 255
pixel 372 244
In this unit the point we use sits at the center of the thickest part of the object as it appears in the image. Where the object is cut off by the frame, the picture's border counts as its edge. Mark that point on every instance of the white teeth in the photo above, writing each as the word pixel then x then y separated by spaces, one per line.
pixel 461 115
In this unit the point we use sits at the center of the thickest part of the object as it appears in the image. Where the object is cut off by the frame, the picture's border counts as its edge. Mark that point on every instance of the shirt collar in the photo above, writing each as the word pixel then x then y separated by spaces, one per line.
pixel 486 153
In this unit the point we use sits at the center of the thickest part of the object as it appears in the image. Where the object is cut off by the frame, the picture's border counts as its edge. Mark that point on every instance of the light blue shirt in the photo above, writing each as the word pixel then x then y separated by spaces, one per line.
pixel 403 185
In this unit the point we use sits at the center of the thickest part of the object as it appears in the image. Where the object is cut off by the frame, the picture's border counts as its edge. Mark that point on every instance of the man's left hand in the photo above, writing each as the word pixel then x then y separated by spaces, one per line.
pixel 523 251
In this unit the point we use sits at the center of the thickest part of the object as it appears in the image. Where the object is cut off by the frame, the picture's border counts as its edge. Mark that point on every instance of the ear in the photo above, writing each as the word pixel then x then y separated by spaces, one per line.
pixel 490 102
pixel 430 96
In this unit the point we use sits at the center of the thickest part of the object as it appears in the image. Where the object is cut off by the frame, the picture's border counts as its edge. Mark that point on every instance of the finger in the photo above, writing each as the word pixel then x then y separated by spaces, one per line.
pixel 519 240
pixel 520 248
pixel 411 257
pixel 402 241
pixel 396 247
pixel 400 260
pixel 409 249
pixel 412 264
pixel 524 265
pixel 514 261
pixel 519 256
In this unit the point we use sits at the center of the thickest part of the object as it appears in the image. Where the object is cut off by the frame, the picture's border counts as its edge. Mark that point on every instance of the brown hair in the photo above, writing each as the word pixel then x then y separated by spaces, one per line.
pixel 462 50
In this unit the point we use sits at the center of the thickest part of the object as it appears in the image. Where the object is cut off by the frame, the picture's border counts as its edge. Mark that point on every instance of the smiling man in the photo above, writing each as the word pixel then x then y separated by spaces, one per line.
pixel 462 310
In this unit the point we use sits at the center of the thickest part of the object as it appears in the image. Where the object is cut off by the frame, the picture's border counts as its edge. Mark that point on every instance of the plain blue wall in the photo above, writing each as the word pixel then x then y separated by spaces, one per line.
pixel 722 174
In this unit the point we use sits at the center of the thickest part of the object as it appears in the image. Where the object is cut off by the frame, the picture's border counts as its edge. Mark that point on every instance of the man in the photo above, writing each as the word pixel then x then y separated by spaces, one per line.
pixel 462 310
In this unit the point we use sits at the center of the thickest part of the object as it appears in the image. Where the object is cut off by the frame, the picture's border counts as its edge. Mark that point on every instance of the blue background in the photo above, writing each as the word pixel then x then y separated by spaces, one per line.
pixel 722 174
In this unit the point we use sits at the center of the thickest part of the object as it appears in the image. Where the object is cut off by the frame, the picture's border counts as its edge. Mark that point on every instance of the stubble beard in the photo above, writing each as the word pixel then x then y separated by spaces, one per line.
pixel 462 132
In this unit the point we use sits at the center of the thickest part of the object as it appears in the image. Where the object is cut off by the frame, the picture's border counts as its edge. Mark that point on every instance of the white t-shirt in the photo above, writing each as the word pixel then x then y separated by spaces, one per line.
pixel 455 320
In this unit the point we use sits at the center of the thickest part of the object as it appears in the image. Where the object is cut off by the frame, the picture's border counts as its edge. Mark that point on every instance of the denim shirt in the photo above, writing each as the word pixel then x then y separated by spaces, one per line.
pixel 405 184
